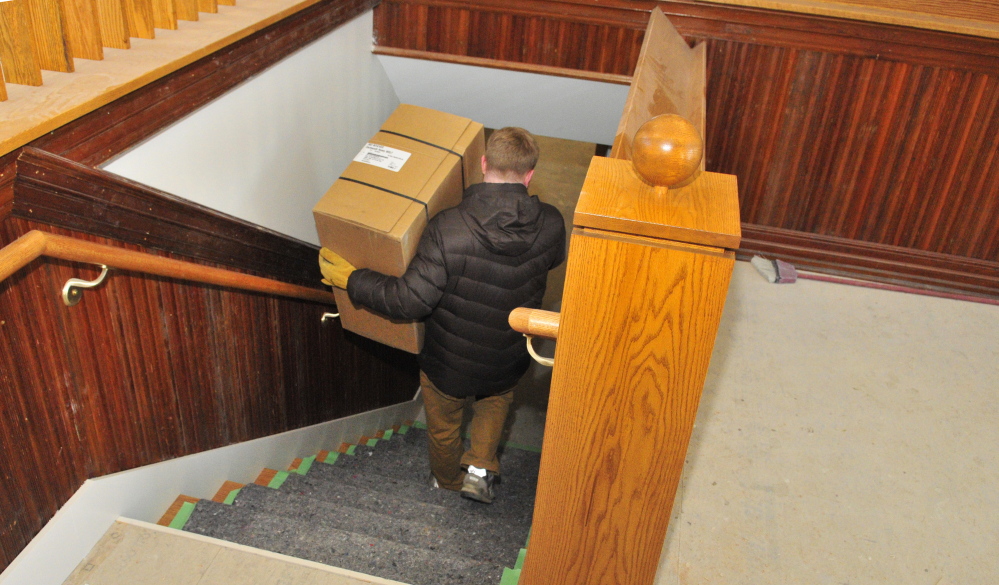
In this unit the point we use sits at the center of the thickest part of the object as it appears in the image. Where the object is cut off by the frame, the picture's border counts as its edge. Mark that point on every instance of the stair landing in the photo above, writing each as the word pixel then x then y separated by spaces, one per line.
pixel 139 553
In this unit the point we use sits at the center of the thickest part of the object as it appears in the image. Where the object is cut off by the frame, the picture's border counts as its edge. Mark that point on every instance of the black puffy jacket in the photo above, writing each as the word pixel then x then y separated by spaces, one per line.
pixel 475 263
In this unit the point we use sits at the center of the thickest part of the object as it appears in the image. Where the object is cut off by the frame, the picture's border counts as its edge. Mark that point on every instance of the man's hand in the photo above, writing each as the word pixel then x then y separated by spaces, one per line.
pixel 335 269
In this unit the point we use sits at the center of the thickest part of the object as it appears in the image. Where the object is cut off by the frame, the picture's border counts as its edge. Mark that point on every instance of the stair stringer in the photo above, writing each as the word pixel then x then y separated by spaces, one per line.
pixel 143 493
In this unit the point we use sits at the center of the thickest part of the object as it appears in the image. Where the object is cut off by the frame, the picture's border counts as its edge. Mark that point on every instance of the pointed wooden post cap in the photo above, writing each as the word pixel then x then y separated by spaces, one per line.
pixel 667 150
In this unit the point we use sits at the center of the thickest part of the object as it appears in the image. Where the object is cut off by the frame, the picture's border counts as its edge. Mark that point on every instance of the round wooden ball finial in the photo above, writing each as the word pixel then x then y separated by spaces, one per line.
pixel 667 150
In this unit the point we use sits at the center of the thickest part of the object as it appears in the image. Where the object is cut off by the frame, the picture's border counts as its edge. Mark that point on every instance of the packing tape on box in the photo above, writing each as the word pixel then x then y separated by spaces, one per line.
pixel 461 158
pixel 403 195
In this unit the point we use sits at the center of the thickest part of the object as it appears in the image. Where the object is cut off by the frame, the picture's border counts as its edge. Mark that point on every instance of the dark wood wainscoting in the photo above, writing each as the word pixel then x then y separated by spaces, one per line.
pixel 146 369
pixel 862 138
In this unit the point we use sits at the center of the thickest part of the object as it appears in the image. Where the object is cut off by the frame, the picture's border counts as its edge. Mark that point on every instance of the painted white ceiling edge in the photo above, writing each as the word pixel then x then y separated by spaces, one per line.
pixel 560 107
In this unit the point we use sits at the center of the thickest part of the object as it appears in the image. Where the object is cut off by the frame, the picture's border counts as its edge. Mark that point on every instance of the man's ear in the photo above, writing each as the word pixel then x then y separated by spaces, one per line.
pixel 528 177
pixel 483 164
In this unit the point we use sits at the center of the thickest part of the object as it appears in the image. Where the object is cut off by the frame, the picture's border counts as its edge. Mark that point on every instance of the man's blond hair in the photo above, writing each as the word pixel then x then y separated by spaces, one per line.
pixel 512 150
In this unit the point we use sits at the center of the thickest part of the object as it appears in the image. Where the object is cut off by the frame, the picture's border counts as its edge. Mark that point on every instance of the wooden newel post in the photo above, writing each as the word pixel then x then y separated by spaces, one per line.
pixel 649 268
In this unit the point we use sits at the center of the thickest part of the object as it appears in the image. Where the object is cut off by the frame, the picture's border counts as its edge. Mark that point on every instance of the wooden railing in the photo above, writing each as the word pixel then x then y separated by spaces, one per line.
pixel 35 244
pixel 49 35
pixel 37 35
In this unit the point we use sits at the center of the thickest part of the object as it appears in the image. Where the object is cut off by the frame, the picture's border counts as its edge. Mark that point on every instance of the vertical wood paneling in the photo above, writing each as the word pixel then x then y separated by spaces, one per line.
pixel 859 131
pixel 210 6
pixel 147 369
pixel 83 29
pixel 491 32
pixel 856 148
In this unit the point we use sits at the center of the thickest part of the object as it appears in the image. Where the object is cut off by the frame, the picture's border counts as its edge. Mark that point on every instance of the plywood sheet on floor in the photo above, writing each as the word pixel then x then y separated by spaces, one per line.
pixel 136 555
pixel 846 435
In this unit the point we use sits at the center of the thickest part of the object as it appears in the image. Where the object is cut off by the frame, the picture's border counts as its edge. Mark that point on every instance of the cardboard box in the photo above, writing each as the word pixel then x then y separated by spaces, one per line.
pixel 375 213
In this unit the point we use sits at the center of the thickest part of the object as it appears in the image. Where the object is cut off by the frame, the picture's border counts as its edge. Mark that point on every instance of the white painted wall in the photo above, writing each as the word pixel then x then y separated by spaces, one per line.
pixel 267 150
pixel 560 107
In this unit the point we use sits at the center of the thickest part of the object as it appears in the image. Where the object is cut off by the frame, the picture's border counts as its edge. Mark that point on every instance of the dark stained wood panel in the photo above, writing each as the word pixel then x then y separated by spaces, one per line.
pixel 553 34
pixel 58 191
pixel 618 23
pixel 146 369
pixel 873 136
pixel 877 151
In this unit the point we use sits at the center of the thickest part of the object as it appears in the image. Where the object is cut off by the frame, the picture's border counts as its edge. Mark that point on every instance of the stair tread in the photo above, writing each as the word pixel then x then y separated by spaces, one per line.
pixel 332 546
pixel 373 512
pixel 409 461
pixel 490 541
pixel 514 503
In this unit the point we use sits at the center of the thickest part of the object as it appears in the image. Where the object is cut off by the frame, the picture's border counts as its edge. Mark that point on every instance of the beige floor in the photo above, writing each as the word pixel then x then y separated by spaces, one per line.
pixel 846 435
pixel 134 553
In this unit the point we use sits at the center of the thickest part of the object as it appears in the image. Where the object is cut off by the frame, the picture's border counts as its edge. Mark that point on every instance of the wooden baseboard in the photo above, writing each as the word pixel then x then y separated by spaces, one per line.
pixel 876 262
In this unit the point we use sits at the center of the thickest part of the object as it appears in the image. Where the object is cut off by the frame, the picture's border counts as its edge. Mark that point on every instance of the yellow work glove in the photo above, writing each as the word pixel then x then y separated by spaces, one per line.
pixel 335 269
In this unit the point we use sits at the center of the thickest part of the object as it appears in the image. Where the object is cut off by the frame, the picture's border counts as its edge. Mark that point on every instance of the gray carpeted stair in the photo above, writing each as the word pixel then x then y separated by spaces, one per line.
pixel 374 513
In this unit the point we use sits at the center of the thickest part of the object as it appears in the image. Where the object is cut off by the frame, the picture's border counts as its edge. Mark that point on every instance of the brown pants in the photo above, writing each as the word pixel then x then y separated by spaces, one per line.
pixel 444 415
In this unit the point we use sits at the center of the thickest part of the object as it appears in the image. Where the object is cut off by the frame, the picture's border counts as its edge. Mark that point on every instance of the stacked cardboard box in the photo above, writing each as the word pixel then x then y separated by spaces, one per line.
pixel 417 165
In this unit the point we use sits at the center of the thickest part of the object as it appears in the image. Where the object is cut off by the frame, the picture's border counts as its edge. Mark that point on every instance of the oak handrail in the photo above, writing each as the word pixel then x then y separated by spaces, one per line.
pixel 535 322
pixel 35 244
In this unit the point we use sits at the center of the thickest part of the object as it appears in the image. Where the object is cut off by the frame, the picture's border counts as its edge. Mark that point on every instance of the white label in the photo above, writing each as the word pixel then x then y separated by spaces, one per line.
pixel 382 156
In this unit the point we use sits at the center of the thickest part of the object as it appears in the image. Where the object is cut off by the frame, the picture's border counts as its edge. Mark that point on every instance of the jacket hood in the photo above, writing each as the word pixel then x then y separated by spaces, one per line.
pixel 502 216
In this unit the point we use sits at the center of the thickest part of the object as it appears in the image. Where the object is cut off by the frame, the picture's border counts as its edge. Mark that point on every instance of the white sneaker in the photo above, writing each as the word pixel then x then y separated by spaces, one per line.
pixel 478 488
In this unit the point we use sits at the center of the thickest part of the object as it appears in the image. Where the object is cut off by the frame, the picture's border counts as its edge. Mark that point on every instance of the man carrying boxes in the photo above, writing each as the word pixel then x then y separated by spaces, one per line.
pixel 474 264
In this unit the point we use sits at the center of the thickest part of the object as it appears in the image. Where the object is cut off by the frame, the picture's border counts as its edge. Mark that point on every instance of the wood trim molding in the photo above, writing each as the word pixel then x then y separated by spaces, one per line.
pixel 53 190
pixel 877 262
pixel 508 65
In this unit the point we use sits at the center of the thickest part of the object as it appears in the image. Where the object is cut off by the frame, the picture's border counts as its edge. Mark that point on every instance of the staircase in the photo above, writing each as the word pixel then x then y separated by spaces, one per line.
pixel 369 508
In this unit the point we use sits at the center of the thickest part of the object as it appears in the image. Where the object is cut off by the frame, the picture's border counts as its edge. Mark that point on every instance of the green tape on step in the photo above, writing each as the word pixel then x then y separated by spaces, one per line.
pixel 403 429
pixel 388 435
pixel 351 449
pixel 278 480
pixel 520 559
pixel 331 457
pixel 305 465
pixel 420 425
pixel 510 576
pixel 372 442
pixel 183 515
pixel 232 496
pixel 523 447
